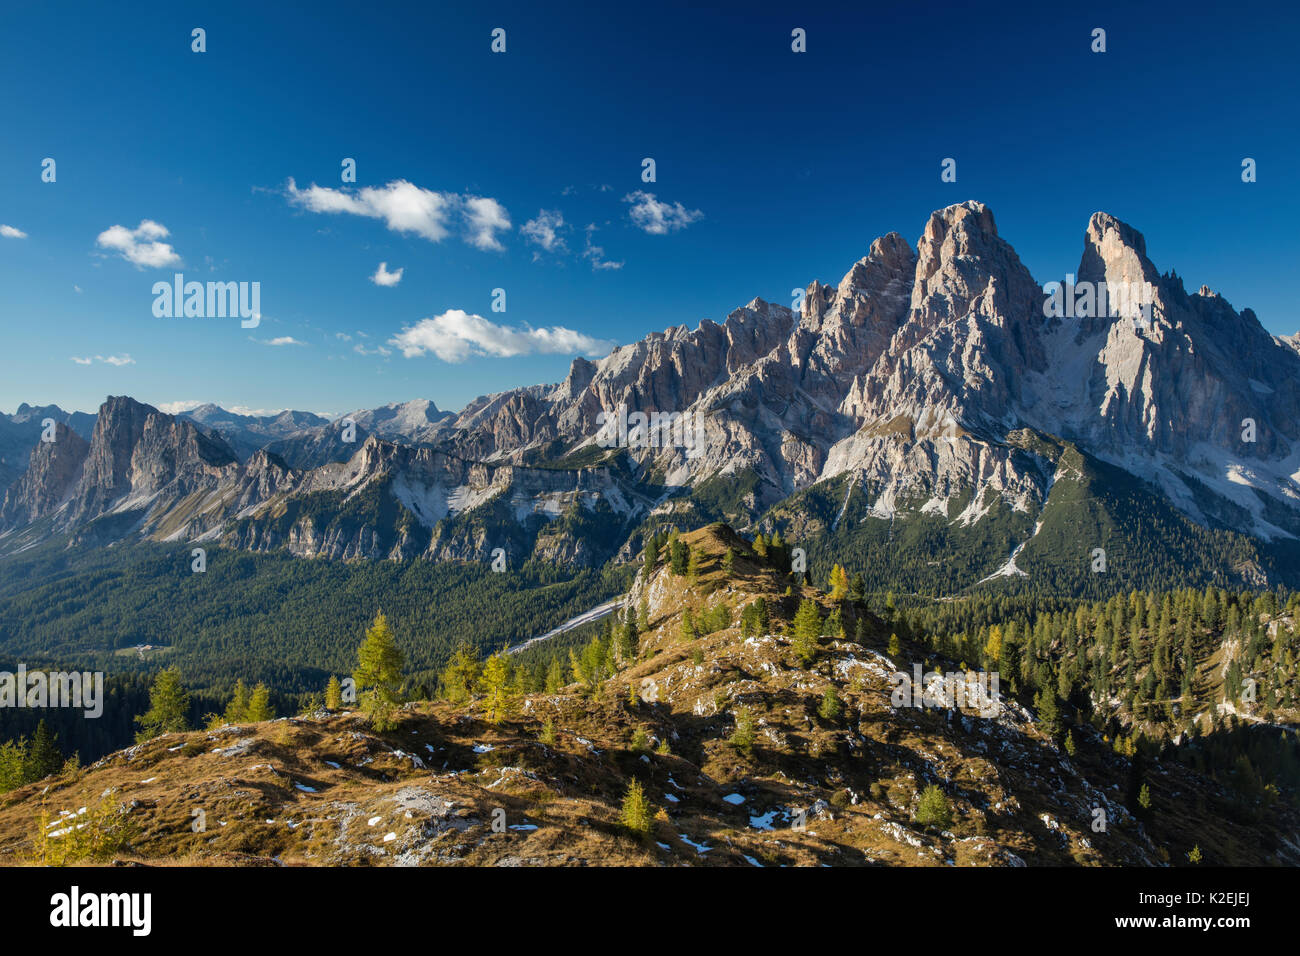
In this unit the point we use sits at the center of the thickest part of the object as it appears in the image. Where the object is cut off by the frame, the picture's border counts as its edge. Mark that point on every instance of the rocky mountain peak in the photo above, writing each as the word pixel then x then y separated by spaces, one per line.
pixel 1114 252
pixel 961 261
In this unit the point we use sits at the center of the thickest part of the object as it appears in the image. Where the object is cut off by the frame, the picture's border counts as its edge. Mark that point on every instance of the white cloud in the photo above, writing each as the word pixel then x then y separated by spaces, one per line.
pixel 118 360
pixel 343 336
pixel 140 245
pixel 377 350
pixel 385 278
pixel 12 232
pixel 410 209
pixel 544 230
pixel 280 340
pixel 658 218
pixel 454 336
pixel 404 207
pixel 486 218
pixel 596 254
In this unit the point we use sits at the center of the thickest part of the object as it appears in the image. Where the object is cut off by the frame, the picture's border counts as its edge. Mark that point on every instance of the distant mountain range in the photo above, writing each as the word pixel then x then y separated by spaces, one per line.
pixel 926 410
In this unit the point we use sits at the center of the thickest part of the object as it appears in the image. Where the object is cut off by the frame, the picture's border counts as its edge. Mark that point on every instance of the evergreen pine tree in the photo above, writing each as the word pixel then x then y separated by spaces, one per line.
pixel 993 647
pixel 807 629
pixel 839 582
pixel 237 709
pixel 635 815
pixel 744 734
pixel 933 809
pixel 676 554
pixel 43 756
pixel 494 681
pixel 831 706
pixel 259 705
pixel 686 627
pixel 459 679
pixel 547 736
pixel 1049 712
pixel 379 674
pixel 777 552
pixel 333 694
pixel 13 764
pixel 651 560
pixel 169 706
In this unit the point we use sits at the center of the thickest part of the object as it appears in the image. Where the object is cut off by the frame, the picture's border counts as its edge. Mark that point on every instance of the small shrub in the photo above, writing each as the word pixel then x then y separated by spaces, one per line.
pixel 742 738
pixel 934 810
pixel 547 736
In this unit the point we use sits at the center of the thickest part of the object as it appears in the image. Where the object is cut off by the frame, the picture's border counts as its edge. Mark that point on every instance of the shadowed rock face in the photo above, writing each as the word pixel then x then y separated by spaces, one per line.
pixel 910 373
pixel 54 469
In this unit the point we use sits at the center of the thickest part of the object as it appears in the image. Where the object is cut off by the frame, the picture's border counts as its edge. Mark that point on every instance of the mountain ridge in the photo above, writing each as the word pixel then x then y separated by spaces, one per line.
pixel 912 375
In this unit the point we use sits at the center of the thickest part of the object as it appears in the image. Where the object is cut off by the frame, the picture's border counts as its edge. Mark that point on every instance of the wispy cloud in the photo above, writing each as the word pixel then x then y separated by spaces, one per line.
pixel 455 336
pixel 12 232
pixel 377 350
pixel 140 246
pixel 411 210
pixel 544 230
pixel 596 254
pixel 280 340
pixel 118 360
pixel 385 278
pixel 659 218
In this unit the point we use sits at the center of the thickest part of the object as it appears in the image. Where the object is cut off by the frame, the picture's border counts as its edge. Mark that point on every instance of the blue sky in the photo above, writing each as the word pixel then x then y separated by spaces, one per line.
pixel 773 169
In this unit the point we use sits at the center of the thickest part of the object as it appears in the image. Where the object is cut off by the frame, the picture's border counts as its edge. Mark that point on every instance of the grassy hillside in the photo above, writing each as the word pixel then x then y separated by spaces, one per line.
pixel 750 746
